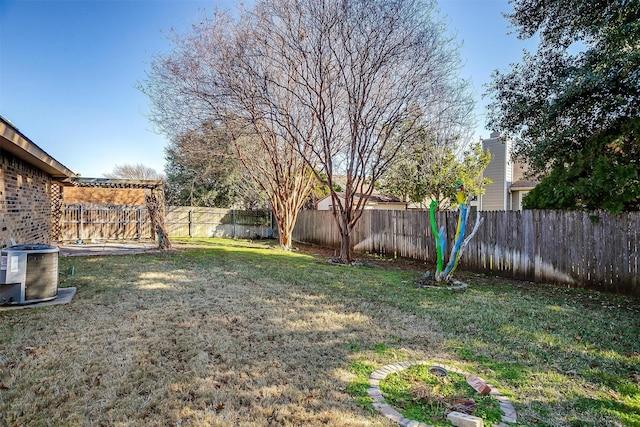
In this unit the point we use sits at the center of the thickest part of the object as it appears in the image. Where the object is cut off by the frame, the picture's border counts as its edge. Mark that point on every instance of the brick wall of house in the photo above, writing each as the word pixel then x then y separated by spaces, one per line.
pixel 103 196
pixel 25 203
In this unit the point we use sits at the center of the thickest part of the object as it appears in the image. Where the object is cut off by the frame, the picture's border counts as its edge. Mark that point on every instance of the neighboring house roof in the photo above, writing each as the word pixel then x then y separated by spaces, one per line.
pixel 374 199
pixel 382 198
pixel 523 184
pixel 14 142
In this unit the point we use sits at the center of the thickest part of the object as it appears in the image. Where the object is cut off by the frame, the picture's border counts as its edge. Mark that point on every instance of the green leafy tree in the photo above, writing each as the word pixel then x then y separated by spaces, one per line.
pixel 565 105
pixel 202 170
pixel 424 172
pixel 471 166
pixel 604 175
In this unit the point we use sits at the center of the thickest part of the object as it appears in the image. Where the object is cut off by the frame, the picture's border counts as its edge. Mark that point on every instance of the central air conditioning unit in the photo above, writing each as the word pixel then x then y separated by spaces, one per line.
pixel 28 274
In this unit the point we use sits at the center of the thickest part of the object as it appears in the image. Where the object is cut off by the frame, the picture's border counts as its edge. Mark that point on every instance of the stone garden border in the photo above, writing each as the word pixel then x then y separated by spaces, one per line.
pixel 386 410
pixel 457 285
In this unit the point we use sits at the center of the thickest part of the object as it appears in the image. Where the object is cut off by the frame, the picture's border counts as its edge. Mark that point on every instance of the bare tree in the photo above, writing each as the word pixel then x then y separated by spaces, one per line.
pixel 137 171
pixel 310 90
pixel 368 74
pixel 154 199
pixel 206 78
pixel 284 175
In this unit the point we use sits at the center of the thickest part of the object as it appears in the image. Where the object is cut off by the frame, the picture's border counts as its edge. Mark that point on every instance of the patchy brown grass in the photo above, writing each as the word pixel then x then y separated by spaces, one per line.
pixel 230 333
pixel 189 339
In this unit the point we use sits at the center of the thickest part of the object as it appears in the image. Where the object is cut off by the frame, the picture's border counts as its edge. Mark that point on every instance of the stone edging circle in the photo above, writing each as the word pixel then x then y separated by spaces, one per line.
pixel 457 286
pixel 386 410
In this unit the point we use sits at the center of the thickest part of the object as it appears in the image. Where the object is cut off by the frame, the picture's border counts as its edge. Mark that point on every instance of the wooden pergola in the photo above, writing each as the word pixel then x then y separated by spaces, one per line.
pixel 116 183
pixel 153 195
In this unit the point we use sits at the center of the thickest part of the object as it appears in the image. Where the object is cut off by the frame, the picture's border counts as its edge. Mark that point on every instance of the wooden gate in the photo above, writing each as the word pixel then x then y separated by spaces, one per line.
pixel 110 222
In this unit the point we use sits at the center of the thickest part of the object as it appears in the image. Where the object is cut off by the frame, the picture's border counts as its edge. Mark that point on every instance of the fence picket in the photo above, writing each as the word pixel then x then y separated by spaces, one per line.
pixel 84 222
pixel 540 246
pixel 595 250
pixel 121 222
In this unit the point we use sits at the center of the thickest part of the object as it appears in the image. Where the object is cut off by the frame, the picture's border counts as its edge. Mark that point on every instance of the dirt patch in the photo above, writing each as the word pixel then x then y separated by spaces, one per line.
pixel 386 263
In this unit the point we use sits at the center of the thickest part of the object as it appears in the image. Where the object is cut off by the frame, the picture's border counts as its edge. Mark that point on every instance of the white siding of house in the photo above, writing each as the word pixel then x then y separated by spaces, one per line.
pixel 500 172
pixel 499 195
pixel 324 204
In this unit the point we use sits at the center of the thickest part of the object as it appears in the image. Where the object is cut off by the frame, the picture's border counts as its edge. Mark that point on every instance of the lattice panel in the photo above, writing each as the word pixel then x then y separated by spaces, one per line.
pixel 56 212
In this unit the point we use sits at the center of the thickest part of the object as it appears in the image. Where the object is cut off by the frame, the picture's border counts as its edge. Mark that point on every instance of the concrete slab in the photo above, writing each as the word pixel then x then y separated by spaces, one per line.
pixel 106 248
pixel 65 295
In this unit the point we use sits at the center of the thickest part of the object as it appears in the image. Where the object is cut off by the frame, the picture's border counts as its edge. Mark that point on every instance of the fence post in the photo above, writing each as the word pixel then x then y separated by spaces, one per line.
pixel 537 266
pixel 190 216
pixel 80 224
pixel 233 213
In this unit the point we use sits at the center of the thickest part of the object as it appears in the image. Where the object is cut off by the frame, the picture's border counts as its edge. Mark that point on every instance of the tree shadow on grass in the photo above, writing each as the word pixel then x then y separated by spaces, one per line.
pixel 518 334
pixel 230 334
pixel 193 338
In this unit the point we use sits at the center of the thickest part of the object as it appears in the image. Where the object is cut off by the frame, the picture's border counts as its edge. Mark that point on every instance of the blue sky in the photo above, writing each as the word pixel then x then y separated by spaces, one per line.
pixel 68 70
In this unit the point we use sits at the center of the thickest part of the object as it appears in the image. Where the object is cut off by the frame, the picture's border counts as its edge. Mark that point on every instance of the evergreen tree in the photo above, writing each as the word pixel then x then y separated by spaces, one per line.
pixel 572 107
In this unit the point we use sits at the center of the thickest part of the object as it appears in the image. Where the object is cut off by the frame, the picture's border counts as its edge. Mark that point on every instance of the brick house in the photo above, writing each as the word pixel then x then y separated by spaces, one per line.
pixel 35 188
pixel 30 187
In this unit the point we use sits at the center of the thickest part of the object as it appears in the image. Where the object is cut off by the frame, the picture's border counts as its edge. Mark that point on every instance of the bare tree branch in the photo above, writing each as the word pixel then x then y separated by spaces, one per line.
pixel 311 90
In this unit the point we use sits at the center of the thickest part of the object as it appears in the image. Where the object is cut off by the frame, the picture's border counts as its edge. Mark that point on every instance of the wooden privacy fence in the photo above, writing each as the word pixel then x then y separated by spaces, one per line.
pixel 113 222
pixel 212 222
pixel 119 222
pixel 593 250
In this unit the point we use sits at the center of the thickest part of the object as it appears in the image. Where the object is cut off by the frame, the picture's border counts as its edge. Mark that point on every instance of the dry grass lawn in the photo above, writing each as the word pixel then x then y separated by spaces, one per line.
pixel 164 340
pixel 227 333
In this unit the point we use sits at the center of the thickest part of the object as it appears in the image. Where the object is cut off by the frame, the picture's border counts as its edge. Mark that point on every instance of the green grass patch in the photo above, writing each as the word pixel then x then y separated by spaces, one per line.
pixel 422 396
pixel 359 385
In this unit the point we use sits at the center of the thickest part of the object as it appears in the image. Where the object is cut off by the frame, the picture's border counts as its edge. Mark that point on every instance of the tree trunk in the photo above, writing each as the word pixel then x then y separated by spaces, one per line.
pixel 343 219
pixel 286 221
pixel 285 241
pixel 345 245
pixel 155 204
